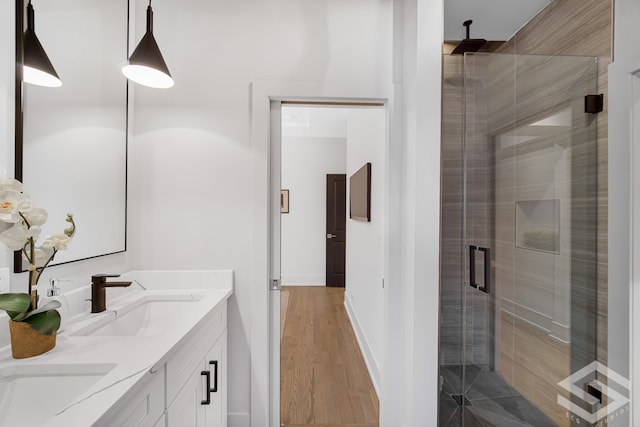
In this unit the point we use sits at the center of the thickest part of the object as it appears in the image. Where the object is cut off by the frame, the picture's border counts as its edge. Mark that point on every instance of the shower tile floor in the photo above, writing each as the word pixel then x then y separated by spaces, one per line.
pixel 489 402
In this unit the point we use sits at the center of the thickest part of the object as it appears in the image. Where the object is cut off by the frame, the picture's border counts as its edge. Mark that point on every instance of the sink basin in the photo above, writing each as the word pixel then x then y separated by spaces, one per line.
pixel 149 316
pixel 22 387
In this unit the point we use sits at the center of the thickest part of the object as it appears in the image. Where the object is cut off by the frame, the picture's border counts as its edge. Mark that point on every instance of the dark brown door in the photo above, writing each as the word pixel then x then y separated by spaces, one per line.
pixel 336 228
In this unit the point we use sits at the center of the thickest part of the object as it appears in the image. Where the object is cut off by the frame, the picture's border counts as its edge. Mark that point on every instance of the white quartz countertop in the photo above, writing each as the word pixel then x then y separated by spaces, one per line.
pixel 129 360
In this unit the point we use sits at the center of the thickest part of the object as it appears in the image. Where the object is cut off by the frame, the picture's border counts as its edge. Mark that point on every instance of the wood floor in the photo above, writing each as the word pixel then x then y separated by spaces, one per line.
pixel 324 381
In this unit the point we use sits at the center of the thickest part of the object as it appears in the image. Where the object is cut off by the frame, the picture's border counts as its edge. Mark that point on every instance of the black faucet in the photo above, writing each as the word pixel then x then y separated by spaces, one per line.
pixel 98 295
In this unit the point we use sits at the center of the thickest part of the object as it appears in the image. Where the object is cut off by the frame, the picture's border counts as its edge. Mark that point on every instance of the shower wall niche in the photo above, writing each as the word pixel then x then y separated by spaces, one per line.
pixel 538 225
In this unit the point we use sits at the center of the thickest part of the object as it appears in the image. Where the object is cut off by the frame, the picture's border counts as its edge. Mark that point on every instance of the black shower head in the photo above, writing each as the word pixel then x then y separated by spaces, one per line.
pixel 468 44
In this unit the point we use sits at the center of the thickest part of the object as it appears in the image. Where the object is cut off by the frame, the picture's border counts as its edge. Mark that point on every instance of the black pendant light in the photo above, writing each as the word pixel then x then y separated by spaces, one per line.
pixel 146 65
pixel 37 68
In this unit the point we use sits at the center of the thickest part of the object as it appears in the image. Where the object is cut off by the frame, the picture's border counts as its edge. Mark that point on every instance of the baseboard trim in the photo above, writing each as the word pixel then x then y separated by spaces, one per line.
pixel 309 280
pixel 239 420
pixel 365 348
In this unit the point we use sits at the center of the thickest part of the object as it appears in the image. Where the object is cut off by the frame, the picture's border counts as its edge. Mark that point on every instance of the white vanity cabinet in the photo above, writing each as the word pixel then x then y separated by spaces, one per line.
pixel 156 357
pixel 142 406
pixel 187 389
pixel 202 400
pixel 215 363
pixel 196 377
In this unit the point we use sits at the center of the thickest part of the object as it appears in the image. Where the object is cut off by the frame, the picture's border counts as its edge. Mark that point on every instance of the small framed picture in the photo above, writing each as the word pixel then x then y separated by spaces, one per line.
pixel 284 201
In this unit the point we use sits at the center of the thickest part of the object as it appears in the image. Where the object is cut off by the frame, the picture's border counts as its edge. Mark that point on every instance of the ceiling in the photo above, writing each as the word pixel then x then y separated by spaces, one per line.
pixel 492 19
pixel 314 121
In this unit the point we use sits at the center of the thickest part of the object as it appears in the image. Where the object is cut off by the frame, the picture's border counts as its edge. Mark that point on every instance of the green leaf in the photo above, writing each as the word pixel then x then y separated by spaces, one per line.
pixel 51 305
pixel 47 323
pixel 14 314
pixel 48 306
pixel 15 303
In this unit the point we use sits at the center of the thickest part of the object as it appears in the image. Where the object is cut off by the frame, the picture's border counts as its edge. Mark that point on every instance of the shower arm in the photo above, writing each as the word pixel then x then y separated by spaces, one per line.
pixel 467 25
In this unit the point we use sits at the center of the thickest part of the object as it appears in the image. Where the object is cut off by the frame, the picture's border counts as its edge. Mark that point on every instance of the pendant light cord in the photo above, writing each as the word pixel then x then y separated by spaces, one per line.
pixel 149 18
pixel 31 24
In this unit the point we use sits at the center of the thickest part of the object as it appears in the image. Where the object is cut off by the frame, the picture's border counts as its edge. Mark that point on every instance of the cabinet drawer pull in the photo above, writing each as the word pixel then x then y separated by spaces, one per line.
pixel 207 374
pixel 215 375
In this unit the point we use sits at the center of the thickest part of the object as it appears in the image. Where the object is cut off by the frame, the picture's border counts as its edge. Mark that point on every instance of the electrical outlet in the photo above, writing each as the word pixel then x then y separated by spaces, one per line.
pixel 5 276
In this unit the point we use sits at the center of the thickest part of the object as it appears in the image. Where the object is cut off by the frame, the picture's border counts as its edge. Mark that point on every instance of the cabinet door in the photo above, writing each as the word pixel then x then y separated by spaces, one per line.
pixel 187 408
pixel 162 422
pixel 216 363
pixel 142 407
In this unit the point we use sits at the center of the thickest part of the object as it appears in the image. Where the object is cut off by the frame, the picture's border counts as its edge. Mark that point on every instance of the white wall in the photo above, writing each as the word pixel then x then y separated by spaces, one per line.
pixel 191 158
pixel 410 386
pixel 364 293
pixel 306 161
pixel 624 204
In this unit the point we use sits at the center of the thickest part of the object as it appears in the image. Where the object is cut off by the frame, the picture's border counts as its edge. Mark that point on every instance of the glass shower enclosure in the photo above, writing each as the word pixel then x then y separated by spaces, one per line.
pixel 519 279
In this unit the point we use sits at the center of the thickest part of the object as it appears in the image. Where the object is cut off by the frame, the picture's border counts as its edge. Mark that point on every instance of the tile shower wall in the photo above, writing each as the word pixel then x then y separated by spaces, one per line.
pixel 544 187
pixel 451 219
pixel 453 275
pixel 478 228
pixel 570 27
pixel 580 27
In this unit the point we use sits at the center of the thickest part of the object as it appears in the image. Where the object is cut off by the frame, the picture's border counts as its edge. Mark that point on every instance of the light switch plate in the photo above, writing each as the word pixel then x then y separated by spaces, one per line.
pixel 5 276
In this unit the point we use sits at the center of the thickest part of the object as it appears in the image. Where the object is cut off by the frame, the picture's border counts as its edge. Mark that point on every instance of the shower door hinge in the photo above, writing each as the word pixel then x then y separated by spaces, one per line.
pixel 594 104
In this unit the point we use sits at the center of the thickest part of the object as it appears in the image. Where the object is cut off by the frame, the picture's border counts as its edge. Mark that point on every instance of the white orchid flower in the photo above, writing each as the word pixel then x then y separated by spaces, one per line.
pixel 59 242
pixel 36 217
pixel 12 203
pixel 42 256
pixel 10 184
pixel 15 237
pixel 34 232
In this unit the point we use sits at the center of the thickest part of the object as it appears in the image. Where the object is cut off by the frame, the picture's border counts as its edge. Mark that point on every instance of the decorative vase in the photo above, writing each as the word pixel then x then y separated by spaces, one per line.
pixel 27 342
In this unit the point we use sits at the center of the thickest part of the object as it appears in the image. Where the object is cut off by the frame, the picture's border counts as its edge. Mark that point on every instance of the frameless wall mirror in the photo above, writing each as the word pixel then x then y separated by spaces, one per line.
pixel 71 141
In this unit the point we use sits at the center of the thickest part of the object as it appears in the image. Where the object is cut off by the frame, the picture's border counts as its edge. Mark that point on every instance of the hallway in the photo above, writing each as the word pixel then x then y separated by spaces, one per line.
pixel 324 380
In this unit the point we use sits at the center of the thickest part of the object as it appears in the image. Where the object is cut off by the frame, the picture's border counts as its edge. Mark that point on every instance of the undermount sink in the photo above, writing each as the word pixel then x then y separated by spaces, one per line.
pixel 149 316
pixel 22 387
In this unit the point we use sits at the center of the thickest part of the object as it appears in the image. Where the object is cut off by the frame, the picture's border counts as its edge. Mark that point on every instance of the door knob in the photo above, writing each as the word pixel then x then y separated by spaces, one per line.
pixel 331 236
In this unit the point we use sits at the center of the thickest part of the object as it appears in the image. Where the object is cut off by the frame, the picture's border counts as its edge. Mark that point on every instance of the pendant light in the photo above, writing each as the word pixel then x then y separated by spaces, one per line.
pixel 37 69
pixel 146 64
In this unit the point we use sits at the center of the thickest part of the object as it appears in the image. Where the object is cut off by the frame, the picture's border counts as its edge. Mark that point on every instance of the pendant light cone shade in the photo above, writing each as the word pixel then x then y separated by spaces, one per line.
pixel 146 64
pixel 37 68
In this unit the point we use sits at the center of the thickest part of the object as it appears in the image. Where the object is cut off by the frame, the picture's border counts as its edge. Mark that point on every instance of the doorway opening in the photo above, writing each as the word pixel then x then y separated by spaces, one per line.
pixel 331 267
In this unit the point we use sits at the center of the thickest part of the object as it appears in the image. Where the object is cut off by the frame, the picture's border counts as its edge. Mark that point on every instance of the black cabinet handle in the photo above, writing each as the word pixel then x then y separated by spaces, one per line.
pixel 472 267
pixel 207 374
pixel 215 376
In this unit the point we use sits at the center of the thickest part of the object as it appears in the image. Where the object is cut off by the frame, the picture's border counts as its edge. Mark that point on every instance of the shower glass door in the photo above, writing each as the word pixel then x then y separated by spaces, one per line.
pixel 527 261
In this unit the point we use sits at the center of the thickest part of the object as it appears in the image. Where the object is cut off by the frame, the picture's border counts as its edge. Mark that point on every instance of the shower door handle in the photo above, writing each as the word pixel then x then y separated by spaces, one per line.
pixel 472 267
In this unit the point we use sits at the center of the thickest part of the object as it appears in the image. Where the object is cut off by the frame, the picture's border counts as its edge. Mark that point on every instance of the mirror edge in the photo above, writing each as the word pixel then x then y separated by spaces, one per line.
pixel 18 130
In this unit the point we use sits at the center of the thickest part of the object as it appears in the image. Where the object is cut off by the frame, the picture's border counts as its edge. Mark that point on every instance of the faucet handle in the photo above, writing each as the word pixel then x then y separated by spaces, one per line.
pixel 103 275
pixel 101 278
